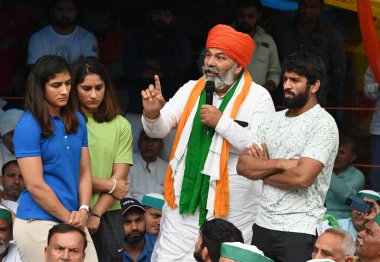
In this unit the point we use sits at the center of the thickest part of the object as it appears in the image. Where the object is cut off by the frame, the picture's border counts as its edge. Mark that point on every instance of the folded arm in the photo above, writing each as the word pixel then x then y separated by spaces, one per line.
pixel 32 172
pixel 255 163
pixel 301 176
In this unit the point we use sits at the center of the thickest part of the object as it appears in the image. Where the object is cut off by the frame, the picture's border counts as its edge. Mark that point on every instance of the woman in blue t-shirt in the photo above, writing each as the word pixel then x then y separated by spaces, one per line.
pixel 50 143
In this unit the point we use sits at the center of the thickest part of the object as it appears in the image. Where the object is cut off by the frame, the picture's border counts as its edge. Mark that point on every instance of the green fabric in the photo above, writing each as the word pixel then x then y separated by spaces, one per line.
pixel 332 220
pixel 242 255
pixel 154 202
pixel 349 181
pixel 5 214
pixel 195 185
pixel 108 143
pixel 377 219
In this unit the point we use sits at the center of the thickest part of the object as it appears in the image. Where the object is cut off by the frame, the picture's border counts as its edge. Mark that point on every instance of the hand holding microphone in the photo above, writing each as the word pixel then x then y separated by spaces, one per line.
pixel 210 115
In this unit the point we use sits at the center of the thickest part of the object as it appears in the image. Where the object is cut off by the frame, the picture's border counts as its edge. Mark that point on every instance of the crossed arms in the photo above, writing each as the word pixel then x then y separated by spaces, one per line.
pixel 255 163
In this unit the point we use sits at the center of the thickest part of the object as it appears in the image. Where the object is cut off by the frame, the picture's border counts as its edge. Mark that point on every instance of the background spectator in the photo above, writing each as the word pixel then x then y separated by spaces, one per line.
pixel 211 236
pixel 356 222
pixel 153 204
pixel 13 185
pixel 14 33
pixel 345 179
pixel 371 90
pixel 148 172
pixel 65 243
pixel 63 37
pixel 8 249
pixel 138 246
pixel 160 50
pixel 8 121
pixel 307 32
pixel 368 242
pixel 336 244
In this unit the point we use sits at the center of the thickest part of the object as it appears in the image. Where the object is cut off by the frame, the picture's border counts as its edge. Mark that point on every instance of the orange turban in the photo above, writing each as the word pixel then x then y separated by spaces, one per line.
pixel 236 45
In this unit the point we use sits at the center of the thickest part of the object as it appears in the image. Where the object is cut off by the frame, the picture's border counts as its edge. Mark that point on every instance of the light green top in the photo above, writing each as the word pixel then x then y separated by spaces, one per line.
pixel 108 143
pixel 349 181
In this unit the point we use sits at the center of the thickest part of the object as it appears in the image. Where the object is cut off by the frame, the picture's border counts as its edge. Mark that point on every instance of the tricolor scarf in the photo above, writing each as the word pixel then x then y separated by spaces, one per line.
pixel 195 184
pixel 221 201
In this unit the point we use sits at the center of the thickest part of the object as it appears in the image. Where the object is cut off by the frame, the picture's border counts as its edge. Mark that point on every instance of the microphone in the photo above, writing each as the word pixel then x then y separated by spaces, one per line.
pixel 210 88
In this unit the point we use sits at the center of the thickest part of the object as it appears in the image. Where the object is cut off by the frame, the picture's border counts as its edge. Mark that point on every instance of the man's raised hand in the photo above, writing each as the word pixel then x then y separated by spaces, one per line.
pixel 152 99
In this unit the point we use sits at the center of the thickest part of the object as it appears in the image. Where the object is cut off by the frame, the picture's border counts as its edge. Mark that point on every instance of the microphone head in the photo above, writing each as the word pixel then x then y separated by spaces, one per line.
pixel 210 86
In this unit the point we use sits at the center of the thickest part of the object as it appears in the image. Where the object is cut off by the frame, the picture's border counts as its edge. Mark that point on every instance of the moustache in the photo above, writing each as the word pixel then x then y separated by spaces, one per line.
pixel 209 69
pixel 289 92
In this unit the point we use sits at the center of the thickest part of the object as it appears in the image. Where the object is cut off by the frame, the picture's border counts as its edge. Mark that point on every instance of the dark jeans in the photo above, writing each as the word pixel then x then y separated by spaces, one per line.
pixel 283 246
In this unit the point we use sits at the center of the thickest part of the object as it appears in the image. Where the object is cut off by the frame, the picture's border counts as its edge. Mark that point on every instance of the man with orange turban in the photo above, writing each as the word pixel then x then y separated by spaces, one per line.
pixel 201 182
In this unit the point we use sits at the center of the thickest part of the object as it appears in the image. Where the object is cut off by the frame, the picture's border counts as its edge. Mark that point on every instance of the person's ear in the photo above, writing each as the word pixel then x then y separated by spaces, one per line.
pixel 315 87
pixel 238 70
pixel 205 255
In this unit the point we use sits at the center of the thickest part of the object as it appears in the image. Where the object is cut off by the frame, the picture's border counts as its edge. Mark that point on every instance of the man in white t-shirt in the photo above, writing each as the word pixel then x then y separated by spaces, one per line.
pixel 293 154
pixel 63 37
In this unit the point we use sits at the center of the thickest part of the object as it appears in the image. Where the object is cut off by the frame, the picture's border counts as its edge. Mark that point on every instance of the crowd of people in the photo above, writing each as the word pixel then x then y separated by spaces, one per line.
pixel 241 182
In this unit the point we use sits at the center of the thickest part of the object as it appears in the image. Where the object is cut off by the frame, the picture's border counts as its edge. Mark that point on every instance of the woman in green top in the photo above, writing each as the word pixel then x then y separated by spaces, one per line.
pixel 110 145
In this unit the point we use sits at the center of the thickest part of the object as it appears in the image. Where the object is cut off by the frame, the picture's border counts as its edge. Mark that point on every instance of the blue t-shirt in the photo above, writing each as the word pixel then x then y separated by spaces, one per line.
pixel 146 252
pixel 60 154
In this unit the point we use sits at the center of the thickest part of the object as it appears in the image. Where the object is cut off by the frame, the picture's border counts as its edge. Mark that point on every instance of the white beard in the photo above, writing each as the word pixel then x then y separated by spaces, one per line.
pixel 221 80
pixel 3 246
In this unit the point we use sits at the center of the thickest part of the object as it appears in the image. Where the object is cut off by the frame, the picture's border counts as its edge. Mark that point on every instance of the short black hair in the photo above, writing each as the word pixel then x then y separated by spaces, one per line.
pixel 308 65
pixel 249 3
pixel 217 231
pixel 6 165
pixel 66 228
pixel 355 147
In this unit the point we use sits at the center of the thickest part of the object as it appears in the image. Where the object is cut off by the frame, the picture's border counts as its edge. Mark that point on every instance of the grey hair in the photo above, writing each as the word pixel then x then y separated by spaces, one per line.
pixel 348 242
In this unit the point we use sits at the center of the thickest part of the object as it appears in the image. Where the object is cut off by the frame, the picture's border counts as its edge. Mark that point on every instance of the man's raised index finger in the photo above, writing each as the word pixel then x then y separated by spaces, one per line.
pixel 157 82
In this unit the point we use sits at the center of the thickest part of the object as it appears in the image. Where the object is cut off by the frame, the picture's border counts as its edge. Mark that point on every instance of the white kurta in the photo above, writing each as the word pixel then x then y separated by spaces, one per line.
pixel 179 233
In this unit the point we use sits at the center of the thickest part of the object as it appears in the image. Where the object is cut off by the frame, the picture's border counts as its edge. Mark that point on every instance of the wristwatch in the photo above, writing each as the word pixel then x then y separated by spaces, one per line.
pixel 85 207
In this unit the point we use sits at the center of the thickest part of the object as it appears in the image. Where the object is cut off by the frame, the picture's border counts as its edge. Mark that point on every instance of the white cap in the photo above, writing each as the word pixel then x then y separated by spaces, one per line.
pixel 9 119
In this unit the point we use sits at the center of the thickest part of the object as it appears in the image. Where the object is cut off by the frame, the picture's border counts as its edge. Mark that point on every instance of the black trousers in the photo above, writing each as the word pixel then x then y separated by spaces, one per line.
pixel 283 246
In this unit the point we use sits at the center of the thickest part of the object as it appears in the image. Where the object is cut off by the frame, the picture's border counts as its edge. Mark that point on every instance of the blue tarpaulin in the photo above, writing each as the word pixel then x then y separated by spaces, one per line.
pixel 284 5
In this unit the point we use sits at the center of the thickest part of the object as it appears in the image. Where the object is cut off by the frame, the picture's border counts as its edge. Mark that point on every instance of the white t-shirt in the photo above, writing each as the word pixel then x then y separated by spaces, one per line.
pixel 313 134
pixel 71 47
pixel 145 180
pixel 13 254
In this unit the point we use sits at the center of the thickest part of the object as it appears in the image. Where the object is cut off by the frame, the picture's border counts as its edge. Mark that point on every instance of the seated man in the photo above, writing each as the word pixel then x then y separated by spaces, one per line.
pixel 368 242
pixel 345 179
pixel 356 222
pixel 237 251
pixel 147 174
pixel 336 244
pixel 138 246
pixel 13 185
pixel 8 250
pixel 65 243
pixel 153 204
pixel 211 236
pixel 8 121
